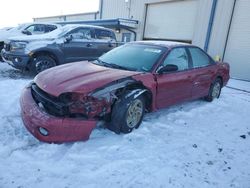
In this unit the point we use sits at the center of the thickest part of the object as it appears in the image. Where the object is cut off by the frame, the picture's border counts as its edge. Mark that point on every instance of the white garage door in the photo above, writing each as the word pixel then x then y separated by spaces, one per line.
pixel 172 20
pixel 238 46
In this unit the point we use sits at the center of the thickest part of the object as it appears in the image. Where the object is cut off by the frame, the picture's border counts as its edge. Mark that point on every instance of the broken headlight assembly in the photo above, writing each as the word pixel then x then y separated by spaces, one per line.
pixel 88 106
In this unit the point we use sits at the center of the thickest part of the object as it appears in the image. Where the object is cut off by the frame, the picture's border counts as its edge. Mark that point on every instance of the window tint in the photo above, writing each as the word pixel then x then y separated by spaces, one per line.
pixel 82 33
pixel 200 59
pixel 104 34
pixel 178 57
pixel 50 28
pixel 36 29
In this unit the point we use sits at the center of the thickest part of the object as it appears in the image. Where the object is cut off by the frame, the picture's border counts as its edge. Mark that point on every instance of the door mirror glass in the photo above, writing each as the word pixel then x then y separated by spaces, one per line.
pixel 168 68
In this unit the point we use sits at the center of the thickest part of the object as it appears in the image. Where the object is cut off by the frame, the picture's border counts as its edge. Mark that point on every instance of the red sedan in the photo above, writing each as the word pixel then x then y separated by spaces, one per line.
pixel 65 103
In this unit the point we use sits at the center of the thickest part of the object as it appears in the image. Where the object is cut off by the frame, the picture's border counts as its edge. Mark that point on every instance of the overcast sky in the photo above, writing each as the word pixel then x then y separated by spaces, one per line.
pixel 13 12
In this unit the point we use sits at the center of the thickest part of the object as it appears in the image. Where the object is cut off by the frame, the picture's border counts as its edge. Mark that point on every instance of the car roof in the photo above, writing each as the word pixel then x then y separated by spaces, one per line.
pixel 168 44
pixel 42 23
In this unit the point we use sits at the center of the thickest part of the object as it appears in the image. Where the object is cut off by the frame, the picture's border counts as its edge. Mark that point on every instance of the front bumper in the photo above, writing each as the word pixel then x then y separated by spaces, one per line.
pixel 59 129
pixel 15 60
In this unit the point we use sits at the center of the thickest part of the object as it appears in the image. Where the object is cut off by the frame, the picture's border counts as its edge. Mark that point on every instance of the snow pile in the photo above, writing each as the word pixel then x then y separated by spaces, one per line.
pixel 195 144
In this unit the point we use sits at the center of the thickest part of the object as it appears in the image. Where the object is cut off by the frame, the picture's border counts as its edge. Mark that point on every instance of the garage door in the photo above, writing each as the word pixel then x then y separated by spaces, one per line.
pixel 238 47
pixel 172 20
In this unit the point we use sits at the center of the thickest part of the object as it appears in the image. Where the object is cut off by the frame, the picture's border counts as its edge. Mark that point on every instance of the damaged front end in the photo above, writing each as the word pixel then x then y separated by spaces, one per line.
pixel 72 105
pixel 95 105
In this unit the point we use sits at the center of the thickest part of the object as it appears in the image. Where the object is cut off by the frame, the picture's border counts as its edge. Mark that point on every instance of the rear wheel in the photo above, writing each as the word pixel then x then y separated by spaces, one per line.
pixel 127 114
pixel 214 91
pixel 42 63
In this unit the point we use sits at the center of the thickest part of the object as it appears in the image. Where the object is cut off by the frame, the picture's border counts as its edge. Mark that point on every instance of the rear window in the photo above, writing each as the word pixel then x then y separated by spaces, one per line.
pixel 200 59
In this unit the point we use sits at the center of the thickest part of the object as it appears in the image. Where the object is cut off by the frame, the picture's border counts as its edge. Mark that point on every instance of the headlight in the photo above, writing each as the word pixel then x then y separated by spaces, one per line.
pixel 86 105
pixel 18 45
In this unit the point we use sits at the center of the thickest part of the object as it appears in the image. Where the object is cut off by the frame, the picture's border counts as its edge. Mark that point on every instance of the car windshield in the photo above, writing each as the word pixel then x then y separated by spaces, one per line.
pixel 136 57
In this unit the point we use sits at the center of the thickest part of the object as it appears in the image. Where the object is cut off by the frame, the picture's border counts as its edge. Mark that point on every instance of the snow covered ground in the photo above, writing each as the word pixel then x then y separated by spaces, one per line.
pixel 194 145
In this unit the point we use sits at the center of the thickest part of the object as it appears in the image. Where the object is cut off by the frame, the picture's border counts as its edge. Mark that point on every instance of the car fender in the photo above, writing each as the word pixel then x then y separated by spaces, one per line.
pixel 56 52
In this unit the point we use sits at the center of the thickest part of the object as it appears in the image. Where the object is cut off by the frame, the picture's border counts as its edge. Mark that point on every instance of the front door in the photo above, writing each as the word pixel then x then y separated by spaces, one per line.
pixel 174 87
pixel 81 45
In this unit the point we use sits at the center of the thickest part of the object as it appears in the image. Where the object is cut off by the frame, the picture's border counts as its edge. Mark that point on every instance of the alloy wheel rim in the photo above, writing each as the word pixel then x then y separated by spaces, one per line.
pixel 216 90
pixel 43 65
pixel 134 113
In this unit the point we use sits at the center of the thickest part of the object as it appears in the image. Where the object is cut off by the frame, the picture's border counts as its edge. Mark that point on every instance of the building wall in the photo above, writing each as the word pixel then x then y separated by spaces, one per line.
pixel 70 17
pixel 220 27
pixel 136 9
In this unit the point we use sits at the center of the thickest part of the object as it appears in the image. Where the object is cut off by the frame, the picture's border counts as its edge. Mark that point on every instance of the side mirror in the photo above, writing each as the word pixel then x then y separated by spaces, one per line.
pixel 168 68
pixel 68 38
pixel 26 32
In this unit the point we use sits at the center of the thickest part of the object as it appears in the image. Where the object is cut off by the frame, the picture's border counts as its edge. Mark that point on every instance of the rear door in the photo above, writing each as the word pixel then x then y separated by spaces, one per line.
pixel 81 46
pixel 175 87
pixel 204 71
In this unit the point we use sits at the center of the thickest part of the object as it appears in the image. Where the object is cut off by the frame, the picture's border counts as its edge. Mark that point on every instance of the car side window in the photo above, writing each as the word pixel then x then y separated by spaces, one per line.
pixel 36 29
pixel 50 28
pixel 178 57
pixel 199 58
pixel 82 33
pixel 104 35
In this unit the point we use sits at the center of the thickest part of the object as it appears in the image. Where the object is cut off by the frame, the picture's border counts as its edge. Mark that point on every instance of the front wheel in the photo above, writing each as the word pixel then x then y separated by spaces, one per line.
pixel 214 91
pixel 42 63
pixel 127 113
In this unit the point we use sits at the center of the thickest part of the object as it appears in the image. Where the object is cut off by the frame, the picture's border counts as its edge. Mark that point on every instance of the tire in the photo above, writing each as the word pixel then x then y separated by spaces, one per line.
pixel 214 91
pixel 42 63
pixel 123 116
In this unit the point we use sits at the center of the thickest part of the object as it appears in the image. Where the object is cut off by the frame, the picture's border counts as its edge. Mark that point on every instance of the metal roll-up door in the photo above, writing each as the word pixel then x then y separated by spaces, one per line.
pixel 173 20
pixel 237 52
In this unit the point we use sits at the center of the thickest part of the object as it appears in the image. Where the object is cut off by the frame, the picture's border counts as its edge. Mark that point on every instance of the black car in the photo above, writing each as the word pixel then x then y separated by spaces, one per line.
pixel 69 43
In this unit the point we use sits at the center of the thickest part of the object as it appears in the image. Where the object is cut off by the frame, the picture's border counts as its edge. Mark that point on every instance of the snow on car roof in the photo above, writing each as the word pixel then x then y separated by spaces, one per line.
pixel 54 34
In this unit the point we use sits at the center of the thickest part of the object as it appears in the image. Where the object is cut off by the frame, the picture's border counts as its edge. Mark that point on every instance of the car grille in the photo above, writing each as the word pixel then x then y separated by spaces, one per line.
pixel 50 103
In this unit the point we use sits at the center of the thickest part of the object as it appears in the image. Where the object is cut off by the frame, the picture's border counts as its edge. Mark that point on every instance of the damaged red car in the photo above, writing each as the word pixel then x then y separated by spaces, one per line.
pixel 66 102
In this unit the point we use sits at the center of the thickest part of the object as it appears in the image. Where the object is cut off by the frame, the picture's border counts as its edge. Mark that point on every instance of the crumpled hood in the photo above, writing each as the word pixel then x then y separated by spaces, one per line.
pixel 81 77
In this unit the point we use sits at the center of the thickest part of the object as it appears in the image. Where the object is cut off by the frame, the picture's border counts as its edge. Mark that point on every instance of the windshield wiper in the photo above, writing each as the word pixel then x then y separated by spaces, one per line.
pixel 120 67
pixel 112 65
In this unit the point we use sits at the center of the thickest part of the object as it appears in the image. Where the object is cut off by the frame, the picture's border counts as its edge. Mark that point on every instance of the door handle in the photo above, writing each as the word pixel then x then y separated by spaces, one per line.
pixel 89 45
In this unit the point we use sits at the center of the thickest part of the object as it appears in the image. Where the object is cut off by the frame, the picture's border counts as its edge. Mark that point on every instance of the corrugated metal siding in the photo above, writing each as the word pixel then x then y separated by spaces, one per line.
pixel 52 19
pixel 115 9
pixel 171 20
pixel 238 46
pixel 201 23
pixel 120 9
pixel 72 17
pixel 84 17
pixel 220 27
